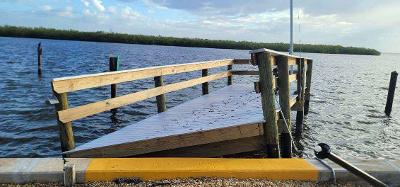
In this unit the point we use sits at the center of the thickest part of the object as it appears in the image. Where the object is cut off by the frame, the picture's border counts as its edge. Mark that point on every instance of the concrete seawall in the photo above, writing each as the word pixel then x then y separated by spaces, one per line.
pixel 46 170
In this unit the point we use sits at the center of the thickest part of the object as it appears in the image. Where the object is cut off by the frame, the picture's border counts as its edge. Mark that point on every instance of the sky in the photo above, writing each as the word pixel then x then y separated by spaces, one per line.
pixel 367 23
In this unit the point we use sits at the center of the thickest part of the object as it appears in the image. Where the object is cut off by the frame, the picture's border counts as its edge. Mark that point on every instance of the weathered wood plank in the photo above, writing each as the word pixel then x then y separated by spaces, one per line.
pixel 173 142
pixel 69 84
pixel 72 114
pixel 241 61
pixel 214 149
pixel 238 72
pixel 307 93
pixel 300 98
pixel 292 77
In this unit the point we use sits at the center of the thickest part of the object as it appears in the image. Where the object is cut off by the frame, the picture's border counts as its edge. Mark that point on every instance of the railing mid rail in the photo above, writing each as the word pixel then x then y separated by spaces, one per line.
pixel 275 78
pixel 62 86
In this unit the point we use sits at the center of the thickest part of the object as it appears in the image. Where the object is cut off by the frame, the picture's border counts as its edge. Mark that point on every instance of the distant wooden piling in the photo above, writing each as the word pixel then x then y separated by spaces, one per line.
pixel 390 96
pixel 39 58
pixel 284 101
pixel 66 133
pixel 204 86
pixel 308 87
pixel 301 95
pixel 161 99
pixel 114 66
pixel 266 85
pixel 230 76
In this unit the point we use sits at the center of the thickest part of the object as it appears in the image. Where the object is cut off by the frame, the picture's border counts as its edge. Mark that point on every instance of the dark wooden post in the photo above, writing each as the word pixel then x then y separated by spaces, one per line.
pixel 161 106
pixel 308 87
pixel 301 95
pixel 66 132
pixel 114 66
pixel 204 86
pixel 230 76
pixel 39 56
pixel 264 61
pixel 390 96
pixel 284 100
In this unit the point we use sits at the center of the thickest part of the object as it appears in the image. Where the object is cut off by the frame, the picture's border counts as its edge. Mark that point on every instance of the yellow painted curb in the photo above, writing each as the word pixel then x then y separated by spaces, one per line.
pixel 108 169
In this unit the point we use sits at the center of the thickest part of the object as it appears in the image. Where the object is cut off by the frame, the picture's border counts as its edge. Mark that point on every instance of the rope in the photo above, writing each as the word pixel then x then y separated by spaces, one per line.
pixel 330 168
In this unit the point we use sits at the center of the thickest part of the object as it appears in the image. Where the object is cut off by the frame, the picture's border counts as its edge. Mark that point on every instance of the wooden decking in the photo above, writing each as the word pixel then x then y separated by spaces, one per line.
pixel 231 113
pixel 231 120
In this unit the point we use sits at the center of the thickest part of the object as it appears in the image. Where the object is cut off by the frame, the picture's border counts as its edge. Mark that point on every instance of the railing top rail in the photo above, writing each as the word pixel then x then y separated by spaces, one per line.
pixel 75 83
pixel 276 53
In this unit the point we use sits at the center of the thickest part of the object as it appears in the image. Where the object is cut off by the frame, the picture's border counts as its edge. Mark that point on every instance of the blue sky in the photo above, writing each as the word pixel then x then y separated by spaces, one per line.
pixel 367 23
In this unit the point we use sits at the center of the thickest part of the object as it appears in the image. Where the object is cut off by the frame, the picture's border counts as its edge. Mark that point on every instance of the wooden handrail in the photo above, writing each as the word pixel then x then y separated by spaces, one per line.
pixel 70 84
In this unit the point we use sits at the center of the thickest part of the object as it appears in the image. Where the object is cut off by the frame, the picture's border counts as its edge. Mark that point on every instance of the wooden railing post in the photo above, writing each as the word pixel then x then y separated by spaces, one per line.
pixel 264 62
pixel 308 87
pixel 204 86
pixel 230 77
pixel 284 101
pixel 66 132
pixel 301 95
pixel 161 99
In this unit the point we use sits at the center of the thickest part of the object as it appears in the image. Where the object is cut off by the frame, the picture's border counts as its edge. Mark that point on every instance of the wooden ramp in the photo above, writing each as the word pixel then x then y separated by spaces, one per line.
pixel 226 121
pixel 232 115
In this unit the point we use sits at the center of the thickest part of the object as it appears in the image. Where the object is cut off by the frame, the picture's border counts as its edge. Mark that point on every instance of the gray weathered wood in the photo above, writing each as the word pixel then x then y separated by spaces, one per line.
pixel 69 175
pixel 161 99
pixel 308 87
pixel 284 101
pixel 264 61
pixel 204 86
pixel 301 96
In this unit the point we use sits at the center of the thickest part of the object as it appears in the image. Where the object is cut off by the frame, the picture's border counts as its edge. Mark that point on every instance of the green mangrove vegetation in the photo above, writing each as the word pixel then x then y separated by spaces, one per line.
pixel 100 36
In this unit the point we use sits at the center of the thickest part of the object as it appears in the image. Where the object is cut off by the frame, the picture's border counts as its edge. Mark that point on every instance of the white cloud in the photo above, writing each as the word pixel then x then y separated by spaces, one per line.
pixel 47 8
pixel 67 12
pixel 98 4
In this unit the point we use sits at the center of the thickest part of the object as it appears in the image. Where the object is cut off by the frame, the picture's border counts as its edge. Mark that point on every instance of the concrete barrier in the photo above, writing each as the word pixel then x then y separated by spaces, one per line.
pixel 46 170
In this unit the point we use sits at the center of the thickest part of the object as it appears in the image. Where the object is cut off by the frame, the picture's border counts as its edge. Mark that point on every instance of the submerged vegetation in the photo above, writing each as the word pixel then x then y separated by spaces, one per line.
pixel 48 33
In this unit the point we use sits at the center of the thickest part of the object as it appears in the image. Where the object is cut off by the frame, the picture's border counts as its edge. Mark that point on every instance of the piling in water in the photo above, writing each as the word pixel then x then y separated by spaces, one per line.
pixel 301 96
pixel 390 96
pixel 39 58
pixel 161 99
pixel 114 66
pixel 204 86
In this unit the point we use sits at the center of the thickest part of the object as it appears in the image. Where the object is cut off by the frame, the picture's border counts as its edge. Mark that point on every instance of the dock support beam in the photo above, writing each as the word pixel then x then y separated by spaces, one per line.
pixel 66 133
pixel 264 62
pixel 161 106
pixel 230 76
pixel 390 96
pixel 114 66
pixel 284 101
pixel 301 96
pixel 308 87
pixel 204 86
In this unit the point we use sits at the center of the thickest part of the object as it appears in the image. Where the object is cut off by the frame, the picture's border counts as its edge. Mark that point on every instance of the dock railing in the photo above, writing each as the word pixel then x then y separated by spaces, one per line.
pixel 63 86
pixel 277 72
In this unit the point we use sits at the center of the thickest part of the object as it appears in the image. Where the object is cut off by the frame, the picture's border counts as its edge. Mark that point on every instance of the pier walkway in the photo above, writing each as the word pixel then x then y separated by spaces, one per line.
pixel 223 122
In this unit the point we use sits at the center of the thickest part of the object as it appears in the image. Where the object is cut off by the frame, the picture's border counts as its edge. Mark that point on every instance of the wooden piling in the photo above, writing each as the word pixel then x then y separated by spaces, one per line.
pixel 66 132
pixel 161 99
pixel 230 76
pixel 114 66
pixel 39 58
pixel 284 101
pixel 264 61
pixel 390 96
pixel 301 95
pixel 204 86
pixel 308 87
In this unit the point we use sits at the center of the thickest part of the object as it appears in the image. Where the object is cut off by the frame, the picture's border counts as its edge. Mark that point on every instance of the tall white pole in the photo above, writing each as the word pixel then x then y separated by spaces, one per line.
pixel 291 27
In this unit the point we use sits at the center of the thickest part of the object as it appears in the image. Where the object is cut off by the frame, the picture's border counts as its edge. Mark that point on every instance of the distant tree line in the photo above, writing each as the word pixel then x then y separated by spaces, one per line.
pixel 100 36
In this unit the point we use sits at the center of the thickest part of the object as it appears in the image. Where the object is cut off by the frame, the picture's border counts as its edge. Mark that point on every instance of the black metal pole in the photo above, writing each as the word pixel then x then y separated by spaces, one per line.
pixel 390 96
pixel 326 153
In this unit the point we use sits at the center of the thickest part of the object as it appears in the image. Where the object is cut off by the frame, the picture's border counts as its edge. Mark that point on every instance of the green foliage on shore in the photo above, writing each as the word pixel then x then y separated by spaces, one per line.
pixel 48 33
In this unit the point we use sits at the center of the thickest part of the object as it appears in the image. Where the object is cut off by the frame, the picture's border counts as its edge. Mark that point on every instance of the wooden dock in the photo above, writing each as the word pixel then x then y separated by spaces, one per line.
pixel 237 118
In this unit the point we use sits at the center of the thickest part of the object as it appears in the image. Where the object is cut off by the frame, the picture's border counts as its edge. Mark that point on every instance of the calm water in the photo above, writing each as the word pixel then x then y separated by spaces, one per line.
pixel 348 95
